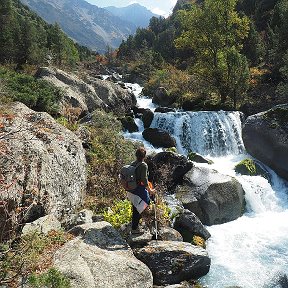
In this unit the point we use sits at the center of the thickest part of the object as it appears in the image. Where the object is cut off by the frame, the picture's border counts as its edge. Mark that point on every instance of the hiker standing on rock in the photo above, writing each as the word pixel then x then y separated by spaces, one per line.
pixel 140 197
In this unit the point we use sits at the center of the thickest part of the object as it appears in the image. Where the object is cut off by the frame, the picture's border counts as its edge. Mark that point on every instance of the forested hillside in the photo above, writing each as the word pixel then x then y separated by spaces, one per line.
pixel 27 39
pixel 212 54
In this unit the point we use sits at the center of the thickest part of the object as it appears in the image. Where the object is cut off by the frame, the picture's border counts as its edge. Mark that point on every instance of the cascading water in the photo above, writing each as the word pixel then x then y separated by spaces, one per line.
pixel 252 251
pixel 207 133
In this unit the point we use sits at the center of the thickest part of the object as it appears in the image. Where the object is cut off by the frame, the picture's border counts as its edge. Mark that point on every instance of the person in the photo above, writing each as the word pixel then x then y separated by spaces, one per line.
pixel 141 196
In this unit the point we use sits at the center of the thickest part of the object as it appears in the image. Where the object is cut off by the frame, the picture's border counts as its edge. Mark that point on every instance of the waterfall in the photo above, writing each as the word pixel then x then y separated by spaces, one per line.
pixel 252 251
pixel 206 133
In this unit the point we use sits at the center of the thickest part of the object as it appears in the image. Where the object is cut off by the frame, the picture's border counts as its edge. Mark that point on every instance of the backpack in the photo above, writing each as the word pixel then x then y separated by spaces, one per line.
pixel 128 176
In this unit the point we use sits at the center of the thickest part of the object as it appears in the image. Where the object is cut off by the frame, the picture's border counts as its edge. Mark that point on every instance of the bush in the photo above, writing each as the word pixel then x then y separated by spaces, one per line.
pixel 38 95
pixel 120 213
pixel 33 252
pixel 50 279
pixel 108 153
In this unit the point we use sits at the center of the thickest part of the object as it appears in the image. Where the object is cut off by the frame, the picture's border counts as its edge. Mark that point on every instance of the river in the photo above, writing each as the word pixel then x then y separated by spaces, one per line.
pixel 252 251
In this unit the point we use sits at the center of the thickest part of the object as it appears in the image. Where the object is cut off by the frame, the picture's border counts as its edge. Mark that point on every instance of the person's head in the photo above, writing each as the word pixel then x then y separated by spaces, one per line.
pixel 140 154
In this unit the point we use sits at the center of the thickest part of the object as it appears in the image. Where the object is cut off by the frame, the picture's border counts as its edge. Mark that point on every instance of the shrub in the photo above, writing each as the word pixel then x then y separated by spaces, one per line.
pixel 39 95
pixel 50 279
pixel 108 153
pixel 120 213
pixel 33 252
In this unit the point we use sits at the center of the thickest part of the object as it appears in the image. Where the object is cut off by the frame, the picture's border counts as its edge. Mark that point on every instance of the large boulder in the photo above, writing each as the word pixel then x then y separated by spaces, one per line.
pixel 42 225
pixel 215 198
pixel 76 93
pixel 159 138
pixel 168 167
pixel 172 262
pixel 42 164
pixel 265 137
pixel 189 225
pixel 99 257
pixel 162 98
pixel 116 98
pixel 86 97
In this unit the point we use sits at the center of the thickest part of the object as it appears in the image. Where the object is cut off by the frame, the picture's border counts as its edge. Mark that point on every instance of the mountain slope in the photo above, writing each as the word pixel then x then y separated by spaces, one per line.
pixel 87 24
pixel 135 13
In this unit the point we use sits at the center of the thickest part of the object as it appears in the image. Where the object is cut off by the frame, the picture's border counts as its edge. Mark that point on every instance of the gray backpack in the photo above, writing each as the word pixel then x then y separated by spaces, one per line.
pixel 128 176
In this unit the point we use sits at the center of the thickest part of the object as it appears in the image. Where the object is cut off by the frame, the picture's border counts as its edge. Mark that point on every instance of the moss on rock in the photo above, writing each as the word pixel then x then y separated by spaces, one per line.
pixel 251 168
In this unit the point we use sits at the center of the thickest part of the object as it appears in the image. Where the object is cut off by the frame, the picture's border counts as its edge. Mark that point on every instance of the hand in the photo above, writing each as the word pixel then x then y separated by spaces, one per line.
pixel 152 191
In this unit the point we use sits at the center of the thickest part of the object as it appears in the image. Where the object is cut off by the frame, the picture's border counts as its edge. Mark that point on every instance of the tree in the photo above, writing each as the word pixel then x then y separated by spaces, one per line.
pixel 215 32
pixel 7 31
pixel 254 47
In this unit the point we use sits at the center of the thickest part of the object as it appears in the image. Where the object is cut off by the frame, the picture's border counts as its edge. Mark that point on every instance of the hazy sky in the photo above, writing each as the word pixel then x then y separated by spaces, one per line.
pixel 161 7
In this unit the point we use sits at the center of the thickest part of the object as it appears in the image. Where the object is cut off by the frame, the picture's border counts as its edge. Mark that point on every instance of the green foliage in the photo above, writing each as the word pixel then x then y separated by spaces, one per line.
pixel 191 155
pixel 251 168
pixel 29 253
pixel 26 39
pixel 246 167
pixel 66 123
pixel 50 279
pixel 120 213
pixel 108 153
pixel 36 94
pixel 171 149
pixel 217 47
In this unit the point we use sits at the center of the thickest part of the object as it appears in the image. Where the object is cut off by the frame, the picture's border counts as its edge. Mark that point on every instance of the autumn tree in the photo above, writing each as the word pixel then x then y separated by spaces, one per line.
pixel 215 32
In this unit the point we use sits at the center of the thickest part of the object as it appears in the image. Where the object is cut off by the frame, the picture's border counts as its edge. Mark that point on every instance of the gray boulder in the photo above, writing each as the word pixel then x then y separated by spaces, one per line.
pixel 188 224
pixel 168 167
pixel 159 138
pixel 172 262
pixel 169 234
pixel 215 198
pixel 44 164
pixel 99 257
pixel 116 98
pixel 87 97
pixel 265 137
pixel 42 225
pixel 76 93
pixel 84 216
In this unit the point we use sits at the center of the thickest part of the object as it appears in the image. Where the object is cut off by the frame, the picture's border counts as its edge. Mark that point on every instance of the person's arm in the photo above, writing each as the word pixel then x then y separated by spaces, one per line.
pixel 144 179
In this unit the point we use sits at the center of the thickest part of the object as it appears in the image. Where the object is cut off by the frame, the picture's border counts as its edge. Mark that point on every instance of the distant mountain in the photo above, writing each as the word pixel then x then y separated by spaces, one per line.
pixel 135 13
pixel 87 24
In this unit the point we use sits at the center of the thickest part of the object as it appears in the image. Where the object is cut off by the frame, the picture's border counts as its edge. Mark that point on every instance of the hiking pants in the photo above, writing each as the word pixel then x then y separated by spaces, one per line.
pixel 136 216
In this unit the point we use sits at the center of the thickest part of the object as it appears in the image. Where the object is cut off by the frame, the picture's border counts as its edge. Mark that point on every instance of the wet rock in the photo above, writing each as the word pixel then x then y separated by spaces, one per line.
pixel 172 262
pixel 265 136
pixel 215 198
pixel 159 138
pixel 129 124
pixel 168 167
pixel 188 224
pixel 147 118
pixel 164 109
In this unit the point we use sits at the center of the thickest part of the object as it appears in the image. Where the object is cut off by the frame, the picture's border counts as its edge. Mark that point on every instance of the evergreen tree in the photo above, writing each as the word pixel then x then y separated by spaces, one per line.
pixel 7 29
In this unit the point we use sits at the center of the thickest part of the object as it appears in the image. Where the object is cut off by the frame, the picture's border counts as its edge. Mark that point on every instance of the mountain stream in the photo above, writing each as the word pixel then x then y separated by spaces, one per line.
pixel 252 251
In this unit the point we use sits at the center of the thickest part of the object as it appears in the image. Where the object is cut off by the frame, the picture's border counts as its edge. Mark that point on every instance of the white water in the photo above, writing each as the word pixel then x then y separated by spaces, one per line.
pixel 252 251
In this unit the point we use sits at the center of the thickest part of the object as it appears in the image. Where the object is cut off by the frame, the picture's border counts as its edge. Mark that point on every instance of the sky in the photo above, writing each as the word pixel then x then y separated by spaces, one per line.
pixel 160 7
